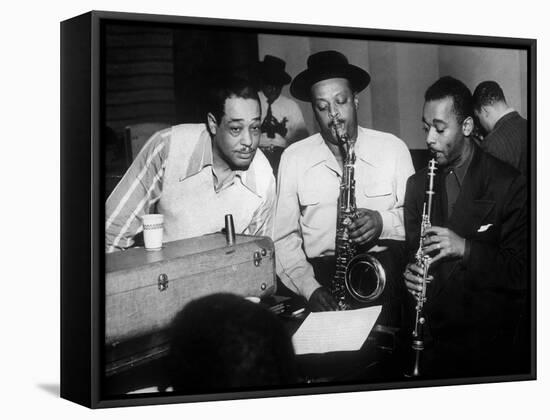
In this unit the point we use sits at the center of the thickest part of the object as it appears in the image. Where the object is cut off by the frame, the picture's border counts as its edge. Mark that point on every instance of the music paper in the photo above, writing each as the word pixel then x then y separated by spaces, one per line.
pixel 323 332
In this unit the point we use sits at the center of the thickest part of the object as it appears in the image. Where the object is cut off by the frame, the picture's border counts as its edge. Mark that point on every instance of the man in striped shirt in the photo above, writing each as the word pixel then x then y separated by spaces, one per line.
pixel 507 130
pixel 194 174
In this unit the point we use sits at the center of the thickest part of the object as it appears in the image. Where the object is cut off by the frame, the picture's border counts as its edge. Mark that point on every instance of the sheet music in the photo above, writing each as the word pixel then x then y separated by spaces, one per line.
pixel 323 332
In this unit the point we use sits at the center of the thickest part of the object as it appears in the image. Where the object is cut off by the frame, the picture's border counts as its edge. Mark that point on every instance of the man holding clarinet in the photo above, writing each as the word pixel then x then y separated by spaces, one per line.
pixel 475 244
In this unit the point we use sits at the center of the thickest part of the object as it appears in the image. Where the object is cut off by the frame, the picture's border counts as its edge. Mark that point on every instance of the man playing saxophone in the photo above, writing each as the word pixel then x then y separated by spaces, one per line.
pixel 477 244
pixel 310 178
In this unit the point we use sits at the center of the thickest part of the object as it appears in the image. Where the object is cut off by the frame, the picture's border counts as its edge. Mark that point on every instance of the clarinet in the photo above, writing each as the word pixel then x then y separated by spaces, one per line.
pixel 423 260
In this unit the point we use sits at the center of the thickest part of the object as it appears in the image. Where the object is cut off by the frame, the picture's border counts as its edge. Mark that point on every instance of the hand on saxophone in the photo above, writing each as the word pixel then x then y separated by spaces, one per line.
pixel 441 243
pixel 321 300
pixel 413 278
pixel 367 227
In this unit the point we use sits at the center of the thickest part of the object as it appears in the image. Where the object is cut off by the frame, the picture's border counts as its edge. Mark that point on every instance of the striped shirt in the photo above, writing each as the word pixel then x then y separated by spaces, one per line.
pixel 508 141
pixel 173 174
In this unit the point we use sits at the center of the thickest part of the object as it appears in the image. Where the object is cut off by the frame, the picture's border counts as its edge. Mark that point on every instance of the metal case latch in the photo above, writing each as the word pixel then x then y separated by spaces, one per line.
pixel 258 256
pixel 163 282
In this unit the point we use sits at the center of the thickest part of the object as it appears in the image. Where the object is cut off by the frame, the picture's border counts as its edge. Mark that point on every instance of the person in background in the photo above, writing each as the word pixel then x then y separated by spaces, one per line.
pixel 477 242
pixel 194 174
pixel 223 342
pixel 310 176
pixel 506 131
pixel 282 119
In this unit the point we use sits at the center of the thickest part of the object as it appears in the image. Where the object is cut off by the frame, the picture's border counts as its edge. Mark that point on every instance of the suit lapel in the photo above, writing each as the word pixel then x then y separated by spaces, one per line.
pixel 470 210
pixel 472 205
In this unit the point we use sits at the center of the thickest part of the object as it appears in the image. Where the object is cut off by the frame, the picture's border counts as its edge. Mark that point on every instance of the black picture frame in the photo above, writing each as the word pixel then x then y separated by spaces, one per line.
pixel 83 185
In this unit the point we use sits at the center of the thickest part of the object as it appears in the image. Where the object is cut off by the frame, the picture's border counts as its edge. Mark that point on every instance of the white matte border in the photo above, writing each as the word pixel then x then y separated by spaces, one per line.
pixel 29 307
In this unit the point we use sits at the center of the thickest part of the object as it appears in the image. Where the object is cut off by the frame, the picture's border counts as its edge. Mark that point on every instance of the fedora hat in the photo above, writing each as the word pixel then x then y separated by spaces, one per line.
pixel 327 65
pixel 272 70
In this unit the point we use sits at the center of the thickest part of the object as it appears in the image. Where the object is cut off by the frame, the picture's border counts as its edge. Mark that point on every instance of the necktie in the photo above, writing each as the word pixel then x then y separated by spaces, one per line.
pixel 268 125
pixel 453 189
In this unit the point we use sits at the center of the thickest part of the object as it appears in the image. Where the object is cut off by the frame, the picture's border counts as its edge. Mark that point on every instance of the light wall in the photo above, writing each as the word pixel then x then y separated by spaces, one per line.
pixel 295 50
pixel 401 73
pixel 474 65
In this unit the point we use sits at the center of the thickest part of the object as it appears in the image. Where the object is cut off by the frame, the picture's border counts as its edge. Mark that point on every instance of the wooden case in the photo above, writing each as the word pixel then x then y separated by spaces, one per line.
pixel 145 289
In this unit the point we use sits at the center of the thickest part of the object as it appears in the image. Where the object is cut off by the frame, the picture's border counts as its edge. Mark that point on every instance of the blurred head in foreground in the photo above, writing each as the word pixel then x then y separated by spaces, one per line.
pixel 223 341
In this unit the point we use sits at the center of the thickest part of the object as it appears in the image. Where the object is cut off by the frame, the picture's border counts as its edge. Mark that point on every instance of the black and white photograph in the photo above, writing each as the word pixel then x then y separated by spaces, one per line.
pixel 270 210
pixel 287 210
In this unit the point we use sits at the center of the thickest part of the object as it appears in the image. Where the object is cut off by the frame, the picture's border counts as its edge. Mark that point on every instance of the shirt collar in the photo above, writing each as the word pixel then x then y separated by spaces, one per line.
pixel 460 171
pixel 504 118
pixel 202 156
pixel 263 99
pixel 320 152
pixel 365 151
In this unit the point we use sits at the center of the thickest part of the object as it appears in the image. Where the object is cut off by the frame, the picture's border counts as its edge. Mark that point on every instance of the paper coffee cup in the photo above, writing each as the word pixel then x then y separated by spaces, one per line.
pixel 153 227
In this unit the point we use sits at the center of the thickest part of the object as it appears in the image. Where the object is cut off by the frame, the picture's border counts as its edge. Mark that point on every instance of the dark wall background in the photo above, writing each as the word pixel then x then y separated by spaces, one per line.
pixel 158 74
pixel 202 55
pixel 139 75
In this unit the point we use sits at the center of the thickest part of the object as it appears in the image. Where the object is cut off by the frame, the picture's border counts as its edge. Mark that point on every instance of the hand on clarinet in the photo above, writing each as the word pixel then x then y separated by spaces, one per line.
pixel 413 279
pixel 443 243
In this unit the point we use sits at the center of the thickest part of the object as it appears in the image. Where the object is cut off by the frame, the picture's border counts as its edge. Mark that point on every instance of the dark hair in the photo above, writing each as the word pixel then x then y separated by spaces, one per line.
pixel 224 87
pixel 223 341
pixel 487 93
pixel 449 87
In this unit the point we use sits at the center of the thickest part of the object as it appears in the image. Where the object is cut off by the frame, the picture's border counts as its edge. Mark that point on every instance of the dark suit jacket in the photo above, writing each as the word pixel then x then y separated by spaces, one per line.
pixel 473 304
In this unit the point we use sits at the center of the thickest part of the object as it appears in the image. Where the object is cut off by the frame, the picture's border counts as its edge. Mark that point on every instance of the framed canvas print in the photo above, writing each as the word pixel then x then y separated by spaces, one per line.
pixel 255 209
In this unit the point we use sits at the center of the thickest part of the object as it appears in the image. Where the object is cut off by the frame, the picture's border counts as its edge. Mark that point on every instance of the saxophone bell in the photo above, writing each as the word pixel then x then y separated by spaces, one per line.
pixel 365 278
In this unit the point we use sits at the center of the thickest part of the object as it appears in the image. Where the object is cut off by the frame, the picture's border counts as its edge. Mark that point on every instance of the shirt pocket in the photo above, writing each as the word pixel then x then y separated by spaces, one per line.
pixel 315 210
pixel 377 196
pixel 309 197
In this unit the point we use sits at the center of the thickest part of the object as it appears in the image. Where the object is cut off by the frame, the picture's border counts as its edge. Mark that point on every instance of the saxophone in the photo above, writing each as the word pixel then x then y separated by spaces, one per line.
pixel 360 276
pixel 422 260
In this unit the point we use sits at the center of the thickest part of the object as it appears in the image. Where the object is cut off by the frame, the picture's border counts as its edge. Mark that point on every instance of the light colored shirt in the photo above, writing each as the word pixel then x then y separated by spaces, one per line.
pixel 284 107
pixel 174 175
pixel 308 189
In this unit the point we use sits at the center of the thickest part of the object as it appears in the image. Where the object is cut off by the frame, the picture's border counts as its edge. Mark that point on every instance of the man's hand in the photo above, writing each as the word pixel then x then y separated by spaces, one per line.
pixel 413 278
pixel 321 300
pixel 445 242
pixel 367 227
